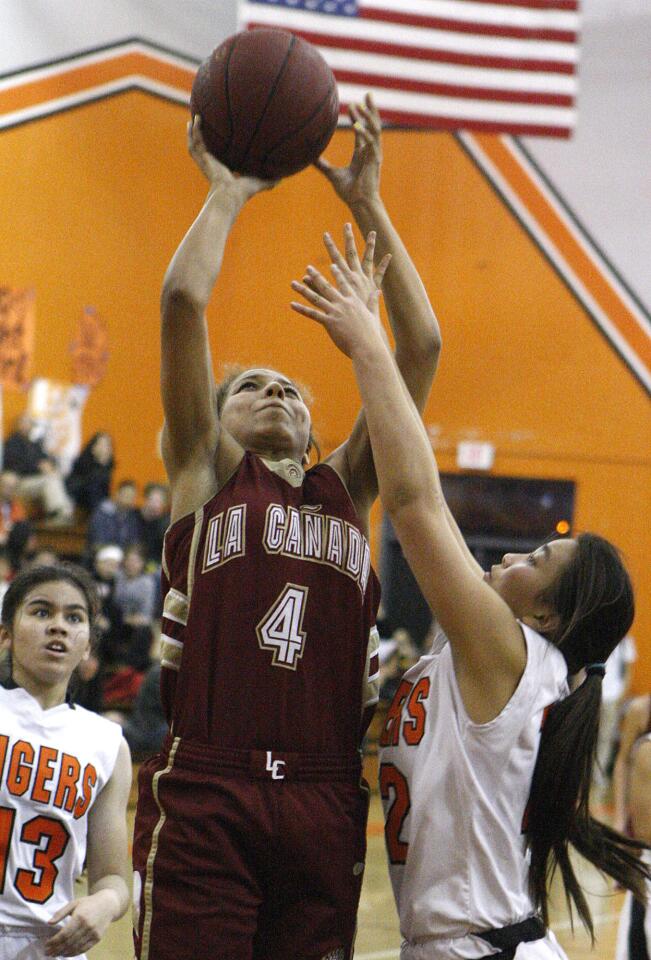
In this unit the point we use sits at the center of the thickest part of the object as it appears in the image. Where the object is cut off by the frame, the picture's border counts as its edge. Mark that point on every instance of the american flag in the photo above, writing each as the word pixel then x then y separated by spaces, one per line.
pixel 499 66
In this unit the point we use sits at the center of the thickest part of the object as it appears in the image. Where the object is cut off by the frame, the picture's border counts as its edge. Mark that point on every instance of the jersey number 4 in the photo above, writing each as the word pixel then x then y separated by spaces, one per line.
pixel 37 885
pixel 281 628
pixel 393 783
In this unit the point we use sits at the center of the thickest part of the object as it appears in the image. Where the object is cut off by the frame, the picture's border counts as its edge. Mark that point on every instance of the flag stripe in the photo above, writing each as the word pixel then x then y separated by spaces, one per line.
pixel 463 110
pixel 424 71
pixel 427 53
pixel 459 26
pixel 407 119
pixel 571 5
pixel 449 90
pixel 492 12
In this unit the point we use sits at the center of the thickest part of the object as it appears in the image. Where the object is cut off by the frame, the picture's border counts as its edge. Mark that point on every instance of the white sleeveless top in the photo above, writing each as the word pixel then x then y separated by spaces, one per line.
pixel 455 794
pixel 53 764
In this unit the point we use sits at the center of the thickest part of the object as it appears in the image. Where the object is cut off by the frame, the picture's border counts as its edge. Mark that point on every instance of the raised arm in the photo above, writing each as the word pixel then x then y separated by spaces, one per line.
pixel 487 642
pixel 191 435
pixel 107 859
pixel 413 322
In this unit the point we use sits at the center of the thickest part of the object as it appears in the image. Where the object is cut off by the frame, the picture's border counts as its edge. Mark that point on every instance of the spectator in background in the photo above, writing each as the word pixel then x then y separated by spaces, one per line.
pixel 12 510
pixel 42 557
pixel 106 564
pixel 40 479
pixel 634 934
pixel 635 723
pixel 6 573
pixel 89 481
pixel 22 544
pixel 614 689
pixel 115 521
pixel 145 727
pixel 155 519
pixel 135 595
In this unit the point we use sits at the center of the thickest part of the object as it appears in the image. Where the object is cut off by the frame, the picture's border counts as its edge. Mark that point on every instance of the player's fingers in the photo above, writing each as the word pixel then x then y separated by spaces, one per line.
pixel 306 311
pixel 333 251
pixel 323 165
pixel 352 259
pixel 369 253
pixel 63 912
pixel 342 283
pixel 311 294
pixel 373 114
pixel 320 284
pixel 381 269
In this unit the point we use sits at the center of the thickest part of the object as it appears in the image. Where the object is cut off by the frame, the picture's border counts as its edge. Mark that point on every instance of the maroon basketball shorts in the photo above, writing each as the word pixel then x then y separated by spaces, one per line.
pixel 247 855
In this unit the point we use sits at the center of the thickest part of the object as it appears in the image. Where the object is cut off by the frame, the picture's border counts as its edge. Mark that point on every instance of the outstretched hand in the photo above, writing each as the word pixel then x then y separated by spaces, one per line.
pixel 217 173
pixel 361 275
pixel 348 310
pixel 360 180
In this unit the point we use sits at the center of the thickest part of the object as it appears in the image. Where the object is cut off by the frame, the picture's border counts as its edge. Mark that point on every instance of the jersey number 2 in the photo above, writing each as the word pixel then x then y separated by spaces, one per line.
pixel 37 885
pixel 393 782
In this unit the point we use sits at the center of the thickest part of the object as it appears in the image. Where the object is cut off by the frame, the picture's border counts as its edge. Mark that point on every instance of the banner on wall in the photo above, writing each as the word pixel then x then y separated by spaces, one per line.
pixel 17 321
pixel 89 349
pixel 496 67
pixel 57 408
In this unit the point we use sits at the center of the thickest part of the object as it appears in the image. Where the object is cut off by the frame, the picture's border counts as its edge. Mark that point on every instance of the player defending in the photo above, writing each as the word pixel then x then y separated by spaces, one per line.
pixel 250 831
pixel 481 805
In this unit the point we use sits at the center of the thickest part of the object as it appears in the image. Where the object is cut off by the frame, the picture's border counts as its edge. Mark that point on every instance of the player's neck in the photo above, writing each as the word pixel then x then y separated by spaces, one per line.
pixel 46 695
pixel 277 453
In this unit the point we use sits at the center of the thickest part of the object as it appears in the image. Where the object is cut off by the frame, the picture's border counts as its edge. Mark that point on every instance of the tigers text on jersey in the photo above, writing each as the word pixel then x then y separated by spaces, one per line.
pixel 455 794
pixel 53 764
pixel 269 612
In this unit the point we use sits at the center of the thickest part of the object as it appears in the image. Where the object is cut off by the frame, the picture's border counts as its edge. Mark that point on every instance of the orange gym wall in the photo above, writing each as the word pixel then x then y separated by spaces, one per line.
pixel 95 200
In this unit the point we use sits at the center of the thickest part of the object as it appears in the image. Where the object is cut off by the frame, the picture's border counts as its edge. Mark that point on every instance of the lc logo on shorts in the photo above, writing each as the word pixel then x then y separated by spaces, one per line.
pixel 275 767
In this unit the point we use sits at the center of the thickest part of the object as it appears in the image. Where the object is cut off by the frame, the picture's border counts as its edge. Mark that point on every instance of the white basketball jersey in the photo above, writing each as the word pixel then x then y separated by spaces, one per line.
pixel 53 764
pixel 455 794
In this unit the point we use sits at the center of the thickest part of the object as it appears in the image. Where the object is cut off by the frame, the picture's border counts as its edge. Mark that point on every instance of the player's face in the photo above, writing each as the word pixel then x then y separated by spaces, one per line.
pixel 50 636
pixel 521 578
pixel 265 413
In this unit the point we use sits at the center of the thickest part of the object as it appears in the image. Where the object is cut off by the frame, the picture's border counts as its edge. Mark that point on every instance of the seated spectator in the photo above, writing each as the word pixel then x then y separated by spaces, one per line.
pixel 42 557
pixel 135 595
pixel 106 564
pixel 155 519
pixel 115 521
pixel 635 723
pixel 11 509
pixel 22 544
pixel 145 726
pixel 86 687
pixel 6 573
pixel 614 690
pixel 634 933
pixel 89 481
pixel 40 481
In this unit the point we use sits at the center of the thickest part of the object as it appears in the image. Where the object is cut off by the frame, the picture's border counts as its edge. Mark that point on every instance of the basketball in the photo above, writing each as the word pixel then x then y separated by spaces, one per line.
pixel 268 103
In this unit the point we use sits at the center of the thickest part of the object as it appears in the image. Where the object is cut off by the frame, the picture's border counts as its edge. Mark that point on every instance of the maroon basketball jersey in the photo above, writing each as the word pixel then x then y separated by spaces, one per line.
pixel 269 637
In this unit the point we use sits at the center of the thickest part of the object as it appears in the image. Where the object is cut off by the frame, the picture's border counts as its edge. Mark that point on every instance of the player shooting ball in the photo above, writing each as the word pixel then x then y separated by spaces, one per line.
pixel 269 643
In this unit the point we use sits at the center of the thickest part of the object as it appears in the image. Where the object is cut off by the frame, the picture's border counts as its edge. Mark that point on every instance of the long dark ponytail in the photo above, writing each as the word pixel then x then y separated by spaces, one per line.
pixel 593 598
